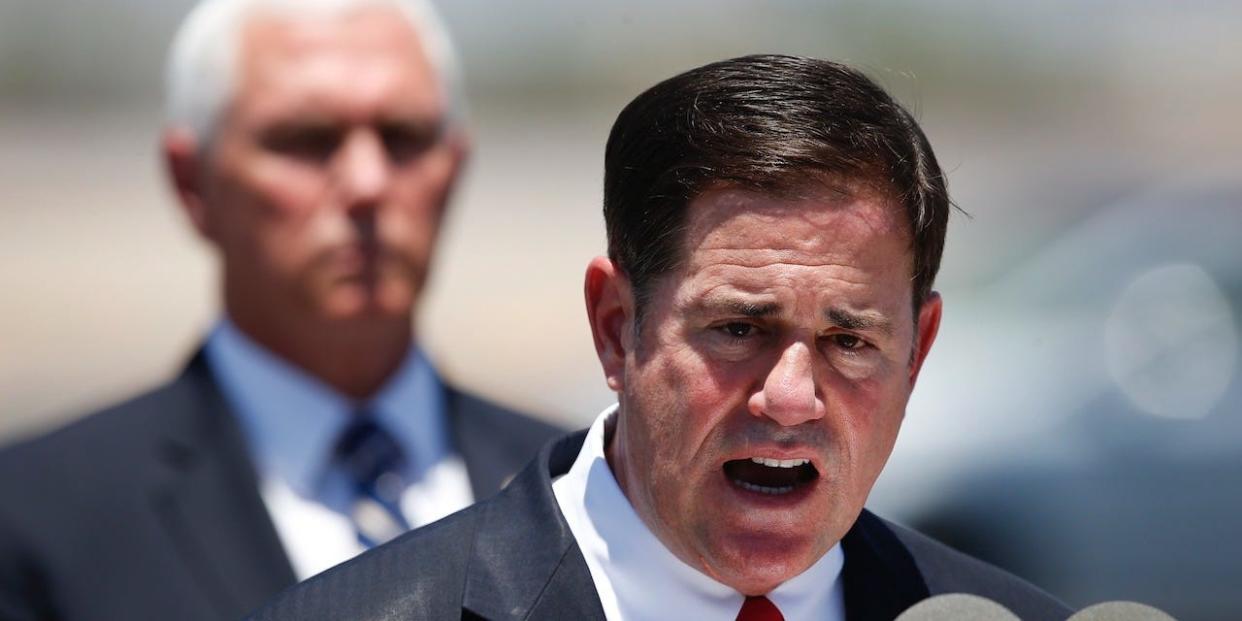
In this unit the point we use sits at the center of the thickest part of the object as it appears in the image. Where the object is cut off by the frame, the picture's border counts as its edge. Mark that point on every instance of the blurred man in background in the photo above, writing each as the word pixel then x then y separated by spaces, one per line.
pixel 775 225
pixel 315 146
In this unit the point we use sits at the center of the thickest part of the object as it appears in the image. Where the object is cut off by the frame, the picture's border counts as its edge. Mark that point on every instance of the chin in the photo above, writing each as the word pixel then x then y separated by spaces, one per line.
pixel 754 564
pixel 757 575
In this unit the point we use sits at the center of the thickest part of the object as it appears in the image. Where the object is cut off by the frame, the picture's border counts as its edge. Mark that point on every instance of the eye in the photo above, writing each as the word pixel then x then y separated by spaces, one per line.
pixel 738 330
pixel 735 340
pixel 405 141
pixel 848 341
pixel 312 143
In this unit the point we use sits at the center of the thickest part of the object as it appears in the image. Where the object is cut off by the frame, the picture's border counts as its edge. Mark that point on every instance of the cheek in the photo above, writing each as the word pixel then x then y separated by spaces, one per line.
pixel 409 224
pixel 666 408
pixel 425 181
pixel 285 189
pixel 655 395
pixel 280 209
pixel 412 216
pixel 698 399
pixel 434 171
pixel 872 417
pixel 304 223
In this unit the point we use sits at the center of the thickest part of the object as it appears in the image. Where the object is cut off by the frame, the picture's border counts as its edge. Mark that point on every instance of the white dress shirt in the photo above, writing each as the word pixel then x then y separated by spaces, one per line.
pixel 637 578
pixel 292 421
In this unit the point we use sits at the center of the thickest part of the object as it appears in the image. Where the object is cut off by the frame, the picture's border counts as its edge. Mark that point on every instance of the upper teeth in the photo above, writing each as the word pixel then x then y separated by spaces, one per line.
pixel 779 463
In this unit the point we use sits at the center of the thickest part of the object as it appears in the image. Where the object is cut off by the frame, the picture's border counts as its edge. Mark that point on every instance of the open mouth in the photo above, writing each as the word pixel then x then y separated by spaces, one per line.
pixel 770 476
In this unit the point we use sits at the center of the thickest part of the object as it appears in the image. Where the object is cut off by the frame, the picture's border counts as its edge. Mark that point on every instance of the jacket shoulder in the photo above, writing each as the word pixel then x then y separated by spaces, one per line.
pixel 494 441
pixel 420 575
pixel 946 570
pixel 515 428
pixel 93 446
pixel 69 490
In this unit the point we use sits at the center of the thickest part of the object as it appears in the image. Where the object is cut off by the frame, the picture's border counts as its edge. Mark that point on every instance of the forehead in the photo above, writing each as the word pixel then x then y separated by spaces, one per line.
pixel 824 224
pixel 357 62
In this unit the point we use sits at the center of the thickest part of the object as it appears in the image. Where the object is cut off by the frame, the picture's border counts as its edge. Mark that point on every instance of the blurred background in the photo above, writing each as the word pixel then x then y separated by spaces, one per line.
pixel 1078 421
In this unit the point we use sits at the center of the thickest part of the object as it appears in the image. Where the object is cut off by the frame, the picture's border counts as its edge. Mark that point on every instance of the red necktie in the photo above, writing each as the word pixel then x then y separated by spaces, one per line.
pixel 759 609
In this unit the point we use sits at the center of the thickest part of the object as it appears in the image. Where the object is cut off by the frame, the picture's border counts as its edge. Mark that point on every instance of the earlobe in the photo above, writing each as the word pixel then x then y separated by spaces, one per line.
pixel 609 310
pixel 181 157
pixel 929 325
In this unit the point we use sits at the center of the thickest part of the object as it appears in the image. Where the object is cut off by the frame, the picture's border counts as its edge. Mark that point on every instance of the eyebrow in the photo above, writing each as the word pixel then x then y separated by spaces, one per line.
pixel 858 321
pixel 847 319
pixel 733 306
pixel 414 123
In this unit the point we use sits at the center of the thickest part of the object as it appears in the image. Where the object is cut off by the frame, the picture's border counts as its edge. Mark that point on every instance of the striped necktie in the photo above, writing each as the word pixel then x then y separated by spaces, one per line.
pixel 374 464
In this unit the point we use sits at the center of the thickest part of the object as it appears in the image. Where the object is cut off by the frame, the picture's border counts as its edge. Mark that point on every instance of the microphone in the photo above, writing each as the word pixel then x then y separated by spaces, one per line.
pixel 966 607
pixel 957 607
pixel 1121 611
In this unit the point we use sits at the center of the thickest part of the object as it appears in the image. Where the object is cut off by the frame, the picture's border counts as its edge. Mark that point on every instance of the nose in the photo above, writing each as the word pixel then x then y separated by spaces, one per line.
pixel 788 393
pixel 363 169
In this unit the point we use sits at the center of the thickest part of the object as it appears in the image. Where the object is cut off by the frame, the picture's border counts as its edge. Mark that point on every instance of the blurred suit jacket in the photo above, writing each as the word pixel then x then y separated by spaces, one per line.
pixel 151 509
pixel 514 557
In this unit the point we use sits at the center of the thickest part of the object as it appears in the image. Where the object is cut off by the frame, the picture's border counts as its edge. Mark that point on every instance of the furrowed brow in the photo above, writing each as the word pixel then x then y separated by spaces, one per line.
pixel 862 321
pixel 734 306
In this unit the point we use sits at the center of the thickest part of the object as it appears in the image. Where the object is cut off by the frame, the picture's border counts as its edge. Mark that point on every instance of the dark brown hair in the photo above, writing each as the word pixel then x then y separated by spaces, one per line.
pixel 768 123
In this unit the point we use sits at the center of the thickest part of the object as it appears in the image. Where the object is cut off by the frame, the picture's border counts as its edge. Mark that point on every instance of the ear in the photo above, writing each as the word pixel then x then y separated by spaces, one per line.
pixel 929 325
pixel 183 160
pixel 610 305
pixel 461 145
pixel 453 154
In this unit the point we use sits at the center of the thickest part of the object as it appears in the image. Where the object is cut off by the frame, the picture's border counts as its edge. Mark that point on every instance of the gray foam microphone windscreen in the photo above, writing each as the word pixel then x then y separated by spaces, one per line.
pixel 957 607
pixel 1121 611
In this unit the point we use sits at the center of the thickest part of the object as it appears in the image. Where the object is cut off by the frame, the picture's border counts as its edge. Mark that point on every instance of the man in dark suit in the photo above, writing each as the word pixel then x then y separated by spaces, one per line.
pixel 314 145
pixel 774 228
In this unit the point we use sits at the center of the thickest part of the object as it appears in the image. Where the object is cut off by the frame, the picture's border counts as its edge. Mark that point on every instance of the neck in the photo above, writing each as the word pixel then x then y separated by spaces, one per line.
pixel 355 357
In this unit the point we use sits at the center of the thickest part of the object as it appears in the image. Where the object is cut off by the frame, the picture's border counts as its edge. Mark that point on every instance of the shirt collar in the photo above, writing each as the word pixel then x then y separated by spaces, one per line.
pixel 641 579
pixel 410 406
pixel 292 420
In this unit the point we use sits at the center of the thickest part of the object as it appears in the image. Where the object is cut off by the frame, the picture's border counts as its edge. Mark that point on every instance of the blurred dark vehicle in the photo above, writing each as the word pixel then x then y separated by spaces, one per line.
pixel 1135 491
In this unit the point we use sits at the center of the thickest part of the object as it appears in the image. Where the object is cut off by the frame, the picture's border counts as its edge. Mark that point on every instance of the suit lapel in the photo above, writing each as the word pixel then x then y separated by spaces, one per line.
pixel 525 562
pixel 880 577
pixel 493 442
pixel 207 498
pixel 473 441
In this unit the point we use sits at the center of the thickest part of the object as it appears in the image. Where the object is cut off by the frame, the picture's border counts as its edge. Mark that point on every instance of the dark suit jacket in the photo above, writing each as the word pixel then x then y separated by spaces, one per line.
pixel 150 509
pixel 513 557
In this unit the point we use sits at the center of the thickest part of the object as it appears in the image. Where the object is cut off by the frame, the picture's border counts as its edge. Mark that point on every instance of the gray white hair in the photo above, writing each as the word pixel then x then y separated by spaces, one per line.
pixel 203 60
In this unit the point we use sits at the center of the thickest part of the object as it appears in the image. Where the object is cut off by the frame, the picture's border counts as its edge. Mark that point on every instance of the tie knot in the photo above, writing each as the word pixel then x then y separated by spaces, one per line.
pixel 370 455
pixel 759 608
pixel 372 459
